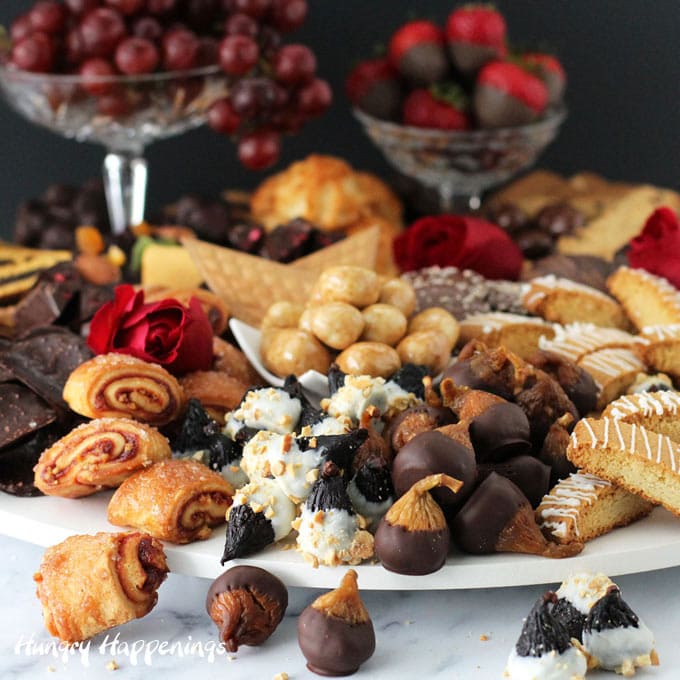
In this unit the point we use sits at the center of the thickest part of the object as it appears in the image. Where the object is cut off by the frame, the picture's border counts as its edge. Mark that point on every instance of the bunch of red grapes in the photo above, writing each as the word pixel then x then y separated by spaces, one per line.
pixel 273 88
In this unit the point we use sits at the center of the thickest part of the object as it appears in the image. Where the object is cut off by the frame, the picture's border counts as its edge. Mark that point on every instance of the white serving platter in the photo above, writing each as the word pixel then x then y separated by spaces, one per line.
pixel 653 543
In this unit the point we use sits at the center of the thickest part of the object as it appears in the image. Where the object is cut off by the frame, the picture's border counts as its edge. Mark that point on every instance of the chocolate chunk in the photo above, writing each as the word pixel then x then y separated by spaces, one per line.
pixel 534 243
pixel 559 219
pixel 246 237
pixel 509 216
pixel 18 460
pixel 44 359
pixel 23 413
pixel 288 242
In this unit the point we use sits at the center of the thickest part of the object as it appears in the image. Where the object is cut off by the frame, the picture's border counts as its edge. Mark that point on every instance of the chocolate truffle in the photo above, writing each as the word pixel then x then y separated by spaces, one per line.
pixel 431 453
pixel 413 537
pixel 247 604
pixel 531 476
pixel 498 518
pixel 335 632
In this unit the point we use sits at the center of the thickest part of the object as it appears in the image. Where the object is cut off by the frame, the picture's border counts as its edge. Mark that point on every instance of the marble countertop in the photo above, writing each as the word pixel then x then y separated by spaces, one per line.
pixel 452 635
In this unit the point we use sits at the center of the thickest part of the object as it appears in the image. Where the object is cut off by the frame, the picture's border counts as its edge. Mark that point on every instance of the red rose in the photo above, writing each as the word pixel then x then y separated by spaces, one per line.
pixel 164 332
pixel 463 242
pixel 657 248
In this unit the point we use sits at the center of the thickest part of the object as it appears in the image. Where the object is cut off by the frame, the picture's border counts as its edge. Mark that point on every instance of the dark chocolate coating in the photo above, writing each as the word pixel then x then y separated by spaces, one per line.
pixel 570 617
pixel 248 578
pixel 500 432
pixel 542 633
pixel 463 374
pixel 424 64
pixel 492 506
pixel 495 108
pixel 438 415
pixel 610 612
pixel 554 453
pixel 411 552
pixel 534 243
pixel 468 57
pixel 431 453
pixel 382 99
pixel 334 647
pixel 559 219
pixel 530 475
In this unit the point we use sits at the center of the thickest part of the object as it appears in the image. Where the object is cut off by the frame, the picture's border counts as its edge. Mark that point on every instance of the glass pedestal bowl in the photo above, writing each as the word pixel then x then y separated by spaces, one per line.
pixel 123 113
pixel 461 165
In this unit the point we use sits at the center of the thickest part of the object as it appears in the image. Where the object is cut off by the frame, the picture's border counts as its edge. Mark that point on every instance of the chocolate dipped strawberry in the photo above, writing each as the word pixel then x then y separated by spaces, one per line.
pixel 550 70
pixel 417 51
pixel 507 95
pixel 441 107
pixel 475 34
pixel 373 86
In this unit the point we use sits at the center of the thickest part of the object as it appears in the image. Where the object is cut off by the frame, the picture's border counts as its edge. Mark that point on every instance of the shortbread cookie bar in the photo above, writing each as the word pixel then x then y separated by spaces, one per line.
pixel 656 411
pixel 583 506
pixel 659 347
pixel 613 370
pixel 519 334
pixel 575 340
pixel 640 461
pixel 648 300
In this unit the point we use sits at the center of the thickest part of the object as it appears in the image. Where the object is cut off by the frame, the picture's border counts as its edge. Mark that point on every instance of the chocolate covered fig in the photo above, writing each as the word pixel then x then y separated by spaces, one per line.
pixel 432 453
pixel 413 537
pixel 247 604
pixel 498 428
pixel 335 632
pixel 498 518
pixel 531 476
pixel 415 420
pixel 554 449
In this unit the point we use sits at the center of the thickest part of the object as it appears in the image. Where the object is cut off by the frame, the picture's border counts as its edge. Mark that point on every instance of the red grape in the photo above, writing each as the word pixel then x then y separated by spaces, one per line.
pixel 147 27
pixel 259 150
pixel 160 6
pixel 315 98
pixel 115 105
pixel 92 71
pixel 180 50
pixel 254 8
pixel 102 29
pixel 241 24
pixel 294 65
pixel 126 6
pixel 136 55
pixel 288 15
pixel 48 16
pixel 238 54
pixel 222 118
pixel 33 53
pixel 81 6
pixel 21 28
pixel 75 50
pixel 208 52
pixel 251 97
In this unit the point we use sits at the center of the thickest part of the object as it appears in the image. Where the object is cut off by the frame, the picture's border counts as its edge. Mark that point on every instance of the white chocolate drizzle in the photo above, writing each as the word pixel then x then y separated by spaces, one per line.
pixel 661 333
pixel 543 285
pixel 664 403
pixel 575 340
pixel 562 507
pixel 610 364
pixel 630 438
pixel 494 321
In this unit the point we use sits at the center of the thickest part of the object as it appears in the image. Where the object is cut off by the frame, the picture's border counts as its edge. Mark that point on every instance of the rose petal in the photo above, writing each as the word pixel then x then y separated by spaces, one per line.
pixel 194 350
pixel 657 248
pixel 105 322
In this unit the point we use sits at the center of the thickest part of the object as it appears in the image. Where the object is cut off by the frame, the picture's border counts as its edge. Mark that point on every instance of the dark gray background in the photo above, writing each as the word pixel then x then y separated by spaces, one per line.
pixel 622 58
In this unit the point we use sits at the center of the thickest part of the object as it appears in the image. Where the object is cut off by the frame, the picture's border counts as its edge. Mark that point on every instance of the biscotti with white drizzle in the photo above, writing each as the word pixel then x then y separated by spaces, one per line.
pixel 659 347
pixel 576 340
pixel 565 301
pixel 640 461
pixel 655 411
pixel 581 507
pixel 648 300
pixel 613 371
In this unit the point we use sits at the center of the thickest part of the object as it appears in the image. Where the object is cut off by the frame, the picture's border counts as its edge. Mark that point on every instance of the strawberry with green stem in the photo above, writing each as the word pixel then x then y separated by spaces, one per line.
pixel 443 106
pixel 475 34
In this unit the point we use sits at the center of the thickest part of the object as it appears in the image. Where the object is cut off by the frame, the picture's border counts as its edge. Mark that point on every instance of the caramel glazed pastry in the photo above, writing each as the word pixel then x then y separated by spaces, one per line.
pixel 121 386
pixel 97 455
pixel 175 500
pixel 88 584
